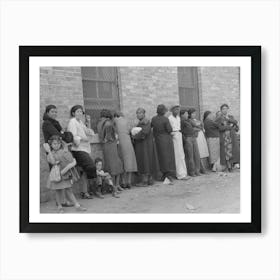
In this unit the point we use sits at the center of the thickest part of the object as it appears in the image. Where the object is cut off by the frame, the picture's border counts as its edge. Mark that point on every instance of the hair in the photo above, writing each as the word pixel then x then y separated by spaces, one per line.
pixel 118 114
pixel 75 108
pixel 183 111
pixel 224 105
pixel 55 138
pixel 141 109
pixel 190 111
pixel 206 114
pixel 105 113
pixel 49 107
pixel 98 159
pixel 161 109
pixel 68 137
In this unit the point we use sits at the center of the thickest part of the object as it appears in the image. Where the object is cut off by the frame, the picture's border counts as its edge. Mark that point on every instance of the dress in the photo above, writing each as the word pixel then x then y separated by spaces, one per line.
pixel 164 144
pixel 145 149
pixel 229 146
pixel 107 135
pixel 63 157
pixel 213 140
pixel 201 141
pixel 125 145
pixel 181 169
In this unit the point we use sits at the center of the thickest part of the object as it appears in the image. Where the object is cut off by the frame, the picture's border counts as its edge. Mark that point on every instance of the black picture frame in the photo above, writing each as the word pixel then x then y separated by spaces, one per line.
pixel 25 52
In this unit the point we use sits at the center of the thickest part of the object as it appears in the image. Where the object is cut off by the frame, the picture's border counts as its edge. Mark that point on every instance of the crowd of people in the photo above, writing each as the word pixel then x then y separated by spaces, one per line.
pixel 174 144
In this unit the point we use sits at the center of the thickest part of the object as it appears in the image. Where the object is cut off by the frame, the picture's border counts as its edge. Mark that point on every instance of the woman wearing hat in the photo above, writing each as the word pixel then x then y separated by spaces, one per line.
pixel 164 144
pixel 229 146
pixel 212 134
pixel 175 121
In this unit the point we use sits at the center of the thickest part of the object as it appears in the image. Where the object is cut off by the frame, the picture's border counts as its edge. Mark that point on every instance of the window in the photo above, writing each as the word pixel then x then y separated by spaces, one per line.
pixel 188 88
pixel 100 90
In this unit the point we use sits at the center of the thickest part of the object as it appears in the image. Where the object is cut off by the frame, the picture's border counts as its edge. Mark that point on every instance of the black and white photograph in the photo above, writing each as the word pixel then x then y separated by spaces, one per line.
pixel 140 139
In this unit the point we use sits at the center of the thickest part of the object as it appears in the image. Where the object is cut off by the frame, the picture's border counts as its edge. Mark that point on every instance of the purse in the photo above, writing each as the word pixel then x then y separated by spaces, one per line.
pixel 55 174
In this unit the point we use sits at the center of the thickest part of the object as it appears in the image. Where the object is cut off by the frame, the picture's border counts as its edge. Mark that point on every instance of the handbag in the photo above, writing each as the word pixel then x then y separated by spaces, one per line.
pixel 55 174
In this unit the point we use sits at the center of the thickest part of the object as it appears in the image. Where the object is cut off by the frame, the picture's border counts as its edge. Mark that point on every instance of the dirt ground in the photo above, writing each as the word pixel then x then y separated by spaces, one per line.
pixel 212 193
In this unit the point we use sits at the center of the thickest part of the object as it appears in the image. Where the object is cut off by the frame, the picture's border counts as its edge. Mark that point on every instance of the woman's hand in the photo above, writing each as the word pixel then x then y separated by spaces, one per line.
pixel 47 147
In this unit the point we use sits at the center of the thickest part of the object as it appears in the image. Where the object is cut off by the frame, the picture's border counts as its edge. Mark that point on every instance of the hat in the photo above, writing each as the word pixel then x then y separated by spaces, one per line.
pixel 174 106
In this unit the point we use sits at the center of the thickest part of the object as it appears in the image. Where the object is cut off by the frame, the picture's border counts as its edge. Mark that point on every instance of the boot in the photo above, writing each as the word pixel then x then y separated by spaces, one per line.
pixel 98 192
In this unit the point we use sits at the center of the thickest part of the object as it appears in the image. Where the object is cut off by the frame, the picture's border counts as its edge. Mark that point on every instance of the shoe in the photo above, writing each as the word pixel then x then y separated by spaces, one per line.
pixel 60 210
pixel 119 188
pixel 115 194
pixel 185 178
pixel 170 179
pixel 128 186
pixel 141 185
pixel 99 195
pixel 85 195
pixel 81 209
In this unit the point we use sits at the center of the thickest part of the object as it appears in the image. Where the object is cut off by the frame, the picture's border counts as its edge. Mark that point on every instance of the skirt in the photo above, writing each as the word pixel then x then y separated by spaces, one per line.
pixel 214 149
pixel 202 145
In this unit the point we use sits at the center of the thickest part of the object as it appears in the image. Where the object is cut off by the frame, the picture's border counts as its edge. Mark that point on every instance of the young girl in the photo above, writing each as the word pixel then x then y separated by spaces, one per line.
pixel 57 154
pixel 104 177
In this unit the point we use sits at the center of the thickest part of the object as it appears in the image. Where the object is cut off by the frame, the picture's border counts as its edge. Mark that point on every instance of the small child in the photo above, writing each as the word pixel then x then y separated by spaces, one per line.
pixel 59 155
pixel 104 177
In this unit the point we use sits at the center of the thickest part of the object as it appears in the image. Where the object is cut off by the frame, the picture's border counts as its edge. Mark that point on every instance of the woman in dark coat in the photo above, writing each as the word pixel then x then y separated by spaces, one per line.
pixel 145 149
pixel 165 150
pixel 50 125
pixel 229 146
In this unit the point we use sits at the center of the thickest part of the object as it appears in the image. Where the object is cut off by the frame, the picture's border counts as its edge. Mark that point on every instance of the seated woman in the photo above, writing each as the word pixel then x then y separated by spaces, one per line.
pixel 81 149
pixel 108 138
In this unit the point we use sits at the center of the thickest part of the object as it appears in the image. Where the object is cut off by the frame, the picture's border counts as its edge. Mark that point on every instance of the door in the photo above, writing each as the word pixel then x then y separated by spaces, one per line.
pixel 188 88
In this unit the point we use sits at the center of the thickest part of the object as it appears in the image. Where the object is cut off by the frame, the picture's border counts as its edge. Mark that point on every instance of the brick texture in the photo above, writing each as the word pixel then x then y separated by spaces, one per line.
pixel 62 87
pixel 147 87
pixel 219 85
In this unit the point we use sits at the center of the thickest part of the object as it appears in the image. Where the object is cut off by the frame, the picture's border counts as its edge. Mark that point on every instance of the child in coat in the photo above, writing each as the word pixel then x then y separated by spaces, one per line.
pixel 59 155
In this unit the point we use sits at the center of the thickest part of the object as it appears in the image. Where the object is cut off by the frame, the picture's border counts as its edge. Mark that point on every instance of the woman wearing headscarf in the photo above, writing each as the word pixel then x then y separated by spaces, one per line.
pixel 163 139
pixel 126 147
pixel 81 149
pixel 108 138
pixel 212 134
pixel 200 138
pixel 229 146
pixel 145 149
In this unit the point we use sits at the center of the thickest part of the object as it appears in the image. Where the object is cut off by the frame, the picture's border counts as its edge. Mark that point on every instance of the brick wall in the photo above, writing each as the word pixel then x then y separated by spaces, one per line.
pixel 218 85
pixel 61 86
pixel 147 87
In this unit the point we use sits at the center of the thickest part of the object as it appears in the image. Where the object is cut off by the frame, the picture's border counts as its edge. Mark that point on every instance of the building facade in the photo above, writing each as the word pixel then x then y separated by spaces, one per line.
pixel 127 88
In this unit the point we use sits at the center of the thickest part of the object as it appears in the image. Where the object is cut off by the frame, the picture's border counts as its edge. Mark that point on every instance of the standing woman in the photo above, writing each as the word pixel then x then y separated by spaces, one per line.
pixel 165 150
pixel 145 149
pixel 212 134
pixel 201 141
pixel 81 149
pixel 126 148
pixel 50 125
pixel 229 147
pixel 108 136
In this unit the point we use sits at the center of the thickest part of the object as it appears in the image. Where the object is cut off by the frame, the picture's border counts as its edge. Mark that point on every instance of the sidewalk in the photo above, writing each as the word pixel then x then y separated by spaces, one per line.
pixel 213 193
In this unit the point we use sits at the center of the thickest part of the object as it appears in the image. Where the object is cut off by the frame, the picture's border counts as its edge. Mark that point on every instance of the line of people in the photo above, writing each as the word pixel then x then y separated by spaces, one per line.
pixel 165 147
